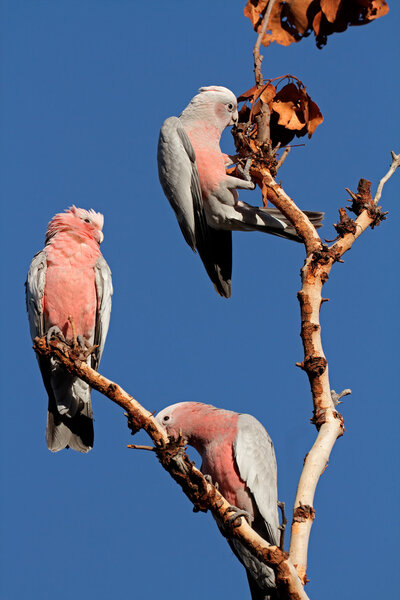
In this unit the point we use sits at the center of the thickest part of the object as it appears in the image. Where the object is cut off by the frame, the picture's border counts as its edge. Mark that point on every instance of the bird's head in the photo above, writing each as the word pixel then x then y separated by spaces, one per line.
pixel 214 104
pixel 87 223
pixel 172 418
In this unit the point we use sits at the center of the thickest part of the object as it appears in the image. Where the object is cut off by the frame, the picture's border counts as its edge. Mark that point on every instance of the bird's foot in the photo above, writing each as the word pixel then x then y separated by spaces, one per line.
pixel 244 173
pixel 237 514
pixel 208 478
pixel 82 342
pixel 56 332
pixel 85 348
pixel 336 397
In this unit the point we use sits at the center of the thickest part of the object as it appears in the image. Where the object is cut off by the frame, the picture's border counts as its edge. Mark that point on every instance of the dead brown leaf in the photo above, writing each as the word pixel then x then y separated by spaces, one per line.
pixel 291 20
pixel 330 9
pixel 292 110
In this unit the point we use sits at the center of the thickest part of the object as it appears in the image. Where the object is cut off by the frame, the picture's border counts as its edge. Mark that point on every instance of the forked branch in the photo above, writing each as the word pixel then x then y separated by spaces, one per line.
pixel 315 272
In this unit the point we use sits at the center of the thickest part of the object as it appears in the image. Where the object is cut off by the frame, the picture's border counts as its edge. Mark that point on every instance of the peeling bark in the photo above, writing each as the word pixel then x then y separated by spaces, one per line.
pixel 319 261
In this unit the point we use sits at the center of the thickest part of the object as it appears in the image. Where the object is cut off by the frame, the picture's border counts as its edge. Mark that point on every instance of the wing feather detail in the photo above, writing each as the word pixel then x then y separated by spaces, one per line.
pixel 178 175
pixel 255 457
pixel 104 291
pixel 34 288
pixel 181 184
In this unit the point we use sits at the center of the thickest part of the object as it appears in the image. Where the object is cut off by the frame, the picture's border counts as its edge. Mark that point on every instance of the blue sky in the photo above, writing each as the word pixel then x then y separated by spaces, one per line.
pixel 85 87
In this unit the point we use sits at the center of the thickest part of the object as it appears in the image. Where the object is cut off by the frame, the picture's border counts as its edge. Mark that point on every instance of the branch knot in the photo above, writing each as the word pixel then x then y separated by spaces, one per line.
pixel 363 201
pixel 303 512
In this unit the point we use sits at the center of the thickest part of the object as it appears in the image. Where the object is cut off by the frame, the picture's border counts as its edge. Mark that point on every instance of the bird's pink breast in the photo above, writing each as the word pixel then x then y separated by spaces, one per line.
pixel 70 285
pixel 213 435
pixel 220 464
pixel 209 159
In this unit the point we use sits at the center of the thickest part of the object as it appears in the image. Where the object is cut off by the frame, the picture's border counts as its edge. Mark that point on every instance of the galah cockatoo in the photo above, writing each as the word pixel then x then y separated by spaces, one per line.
pixel 192 171
pixel 70 277
pixel 238 455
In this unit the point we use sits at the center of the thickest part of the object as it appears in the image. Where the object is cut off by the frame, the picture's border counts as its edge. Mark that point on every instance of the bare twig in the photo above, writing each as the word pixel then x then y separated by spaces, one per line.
pixel 74 338
pixel 256 51
pixel 263 119
pixel 283 158
pixel 171 454
pixel 282 526
pixel 395 164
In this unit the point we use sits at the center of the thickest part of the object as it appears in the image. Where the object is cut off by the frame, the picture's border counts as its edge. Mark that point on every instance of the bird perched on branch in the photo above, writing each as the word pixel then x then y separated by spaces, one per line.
pixel 69 282
pixel 238 455
pixel 192 171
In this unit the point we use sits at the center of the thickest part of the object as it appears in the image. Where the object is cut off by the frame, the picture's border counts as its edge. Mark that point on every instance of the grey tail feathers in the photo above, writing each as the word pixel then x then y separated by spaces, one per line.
pixel 256 592
pixel 215 250
pixel 72 429
pixel 69 432
pixel 290 232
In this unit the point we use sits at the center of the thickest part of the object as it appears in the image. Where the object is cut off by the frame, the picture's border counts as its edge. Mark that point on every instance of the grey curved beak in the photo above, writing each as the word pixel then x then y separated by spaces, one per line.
pixel 235 118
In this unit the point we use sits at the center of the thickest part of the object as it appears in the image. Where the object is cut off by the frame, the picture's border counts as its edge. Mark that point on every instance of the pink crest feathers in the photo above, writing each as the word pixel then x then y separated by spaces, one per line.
pixel 87 223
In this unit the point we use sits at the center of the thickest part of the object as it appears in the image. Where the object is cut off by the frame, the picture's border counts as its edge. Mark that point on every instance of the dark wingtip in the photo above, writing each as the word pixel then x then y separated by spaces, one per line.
pixel 223 288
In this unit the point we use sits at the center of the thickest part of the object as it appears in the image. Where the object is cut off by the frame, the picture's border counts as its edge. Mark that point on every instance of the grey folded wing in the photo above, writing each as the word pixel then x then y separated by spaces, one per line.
pixel 181 184
pixel 255 457
pixel 34 291
pixel 179 177
pixel 104 291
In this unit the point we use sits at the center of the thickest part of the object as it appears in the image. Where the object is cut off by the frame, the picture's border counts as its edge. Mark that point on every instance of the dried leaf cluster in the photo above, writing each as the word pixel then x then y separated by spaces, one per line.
pixel 292 111
pixel 291 20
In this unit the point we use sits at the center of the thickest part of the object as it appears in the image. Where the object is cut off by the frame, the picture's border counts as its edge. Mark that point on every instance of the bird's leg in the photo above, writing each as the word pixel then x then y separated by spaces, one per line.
pixel 55 331
pixel 237 513
pixel 282 526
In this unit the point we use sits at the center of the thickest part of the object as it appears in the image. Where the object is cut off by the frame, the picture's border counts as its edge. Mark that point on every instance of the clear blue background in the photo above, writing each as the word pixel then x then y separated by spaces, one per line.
pixel 85 87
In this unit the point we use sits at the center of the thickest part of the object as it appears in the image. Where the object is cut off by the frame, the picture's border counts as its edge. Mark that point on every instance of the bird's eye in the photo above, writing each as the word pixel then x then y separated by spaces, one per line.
pixel 230 106
pixel 87 220
pixel 166 418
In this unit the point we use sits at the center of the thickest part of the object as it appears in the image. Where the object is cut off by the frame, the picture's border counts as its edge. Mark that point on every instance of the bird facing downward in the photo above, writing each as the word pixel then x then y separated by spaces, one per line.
pixel 70 277
pixel 238 454
pixel 192 171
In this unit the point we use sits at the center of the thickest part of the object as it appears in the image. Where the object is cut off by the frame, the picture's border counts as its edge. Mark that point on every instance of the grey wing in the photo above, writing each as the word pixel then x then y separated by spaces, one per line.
pixel 104 291
pixel 255 457
pixel 181 184
pixel 178 175
pixel 34 290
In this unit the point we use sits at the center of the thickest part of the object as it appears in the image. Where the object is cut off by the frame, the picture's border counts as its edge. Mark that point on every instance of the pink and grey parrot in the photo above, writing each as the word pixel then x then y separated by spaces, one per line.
pixel 70 277
pixel 192 171
pixel 238 455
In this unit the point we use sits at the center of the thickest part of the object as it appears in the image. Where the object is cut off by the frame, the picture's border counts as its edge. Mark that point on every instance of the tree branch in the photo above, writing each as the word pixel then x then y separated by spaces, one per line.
pixel 171 455
pixel 315 272
pixel 395 164
pixel 263 119
pixel 256 51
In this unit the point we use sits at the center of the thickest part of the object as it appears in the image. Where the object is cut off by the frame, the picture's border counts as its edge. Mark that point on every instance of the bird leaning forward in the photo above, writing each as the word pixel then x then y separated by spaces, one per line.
pixel 238 455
